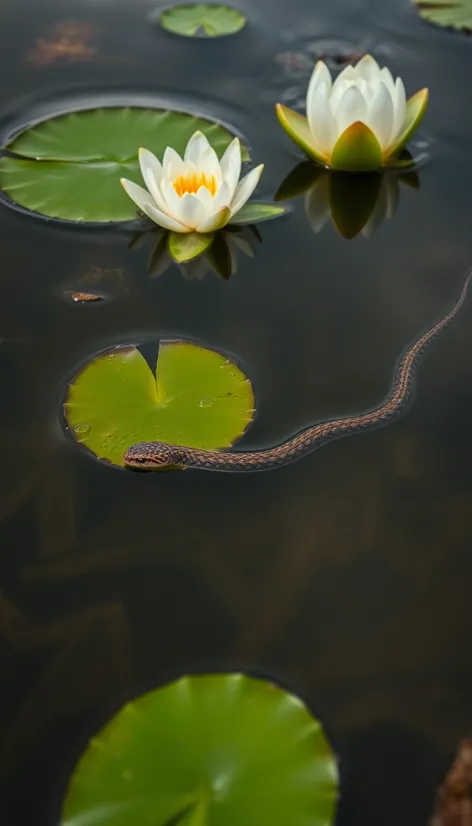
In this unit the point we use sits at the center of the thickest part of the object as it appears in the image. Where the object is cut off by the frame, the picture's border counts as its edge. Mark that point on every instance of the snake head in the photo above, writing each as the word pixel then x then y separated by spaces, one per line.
pixel 151 456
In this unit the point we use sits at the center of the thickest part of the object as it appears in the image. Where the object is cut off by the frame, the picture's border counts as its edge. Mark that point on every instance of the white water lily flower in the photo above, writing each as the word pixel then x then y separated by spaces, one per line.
pixel 198 193
pixel 360 122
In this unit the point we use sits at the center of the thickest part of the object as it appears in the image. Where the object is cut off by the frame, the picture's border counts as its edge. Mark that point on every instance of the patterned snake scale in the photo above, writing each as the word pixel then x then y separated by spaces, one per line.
pixel 155 455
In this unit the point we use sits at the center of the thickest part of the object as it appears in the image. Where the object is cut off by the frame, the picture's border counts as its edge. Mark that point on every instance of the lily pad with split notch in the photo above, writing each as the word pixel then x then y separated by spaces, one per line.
pixel 221 749
pixel 69 167
pixel 202 20
pixel 198 398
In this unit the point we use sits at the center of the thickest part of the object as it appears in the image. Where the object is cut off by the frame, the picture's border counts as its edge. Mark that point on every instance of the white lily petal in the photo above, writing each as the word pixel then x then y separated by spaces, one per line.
pixel 223 197
pixel 172 199
pixel 338 93
pixel 351 107
pixel 368 68
pixel 197 145
pixel 164 220
pixel 210 165
pixel 380 116
pixel 216 221
pixel 204 195
pixel 231 165
pixel 366 89
pixel 399 108
pixel 348 74
pixel 141 197
pixel 320 74
pixel 172 163
pixel 245 188
pixel 386 77
pixel 192 210
pixel 152 172
pixel 320 119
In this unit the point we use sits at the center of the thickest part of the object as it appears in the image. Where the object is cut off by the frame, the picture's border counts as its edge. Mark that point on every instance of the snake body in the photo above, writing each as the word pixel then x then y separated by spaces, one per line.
pixel 155 455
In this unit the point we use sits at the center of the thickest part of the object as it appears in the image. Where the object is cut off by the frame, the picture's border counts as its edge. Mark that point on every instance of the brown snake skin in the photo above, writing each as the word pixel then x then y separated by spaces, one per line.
pixel 155 455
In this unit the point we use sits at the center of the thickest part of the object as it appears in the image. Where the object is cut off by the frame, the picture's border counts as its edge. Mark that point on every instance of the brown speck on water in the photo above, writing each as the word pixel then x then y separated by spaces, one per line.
pixel 80 298
pixel 69 41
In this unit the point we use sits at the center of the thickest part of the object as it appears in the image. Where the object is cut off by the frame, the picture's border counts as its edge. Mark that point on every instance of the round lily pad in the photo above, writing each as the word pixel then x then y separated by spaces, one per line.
pixel 70 166
pixel 200 19
pixel 197 398
pixel 224 750
pixel 455 14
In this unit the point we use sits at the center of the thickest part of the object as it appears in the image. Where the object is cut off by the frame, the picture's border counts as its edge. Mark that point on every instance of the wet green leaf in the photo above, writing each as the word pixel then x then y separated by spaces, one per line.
pixel 185 246
pixel 298 129
pixel 224 750
pixel 255 213
pixel 71 165
pixel 357 150
pixel 198 398
pixel 456 14
pixel 211 19
pixel 415 109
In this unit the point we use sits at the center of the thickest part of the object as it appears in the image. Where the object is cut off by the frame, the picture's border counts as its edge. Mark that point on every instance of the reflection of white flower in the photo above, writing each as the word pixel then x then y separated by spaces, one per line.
pixel 385 205
pixel 319 209
pixel 359 122
pixel 198 193
pixel 240 240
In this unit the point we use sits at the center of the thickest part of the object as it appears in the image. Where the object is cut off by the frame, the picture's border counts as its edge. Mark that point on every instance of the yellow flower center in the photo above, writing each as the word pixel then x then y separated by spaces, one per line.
pixel 192 183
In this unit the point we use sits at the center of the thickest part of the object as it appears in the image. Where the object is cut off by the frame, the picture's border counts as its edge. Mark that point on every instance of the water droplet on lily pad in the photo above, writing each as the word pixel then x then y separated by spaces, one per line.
pixel 81 430
pixel 206 403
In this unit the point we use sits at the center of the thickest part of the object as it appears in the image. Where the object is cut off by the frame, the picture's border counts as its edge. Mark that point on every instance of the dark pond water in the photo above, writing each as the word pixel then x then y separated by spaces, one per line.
pixel 346 575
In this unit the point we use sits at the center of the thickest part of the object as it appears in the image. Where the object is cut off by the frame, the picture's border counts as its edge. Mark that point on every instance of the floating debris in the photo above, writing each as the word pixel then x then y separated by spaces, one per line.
pixel 80 298
pixel 69 41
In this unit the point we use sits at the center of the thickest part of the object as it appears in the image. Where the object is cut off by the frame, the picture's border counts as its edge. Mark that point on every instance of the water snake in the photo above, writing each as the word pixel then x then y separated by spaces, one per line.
pixel 155 455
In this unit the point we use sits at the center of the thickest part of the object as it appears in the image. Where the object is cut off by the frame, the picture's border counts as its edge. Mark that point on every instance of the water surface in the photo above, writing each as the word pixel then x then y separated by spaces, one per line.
pixel 346 575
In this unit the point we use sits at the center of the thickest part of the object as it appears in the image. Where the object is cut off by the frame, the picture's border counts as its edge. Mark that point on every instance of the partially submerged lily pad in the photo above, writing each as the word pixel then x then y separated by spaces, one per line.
pixel 222 749
pixel 455 14
pixel 70 166
pixel 210 19
pixel 198 398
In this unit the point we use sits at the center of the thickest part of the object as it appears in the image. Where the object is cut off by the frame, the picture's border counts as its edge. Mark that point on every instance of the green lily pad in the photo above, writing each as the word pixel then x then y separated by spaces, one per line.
pixel 224 750
pixel 455 15
pixel 198 398
pixel 70 166
pixel 255 213
pixel 211 19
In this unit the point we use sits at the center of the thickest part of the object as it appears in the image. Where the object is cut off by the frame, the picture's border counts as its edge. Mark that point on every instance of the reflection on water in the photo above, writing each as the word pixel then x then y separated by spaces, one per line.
pixel 354 203
pixel 346 575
